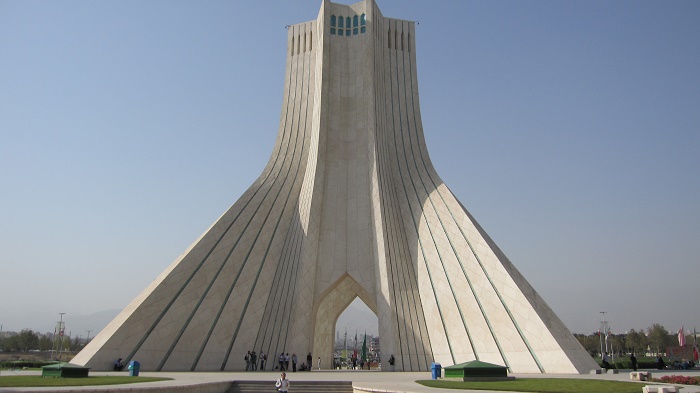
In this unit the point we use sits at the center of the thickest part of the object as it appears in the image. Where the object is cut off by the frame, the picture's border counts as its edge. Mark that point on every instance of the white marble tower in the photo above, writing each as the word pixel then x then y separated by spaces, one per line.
pixel 349 205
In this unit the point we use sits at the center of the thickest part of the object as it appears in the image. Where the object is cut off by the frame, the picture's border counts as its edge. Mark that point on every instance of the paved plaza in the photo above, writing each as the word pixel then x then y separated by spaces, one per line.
pixel 363 381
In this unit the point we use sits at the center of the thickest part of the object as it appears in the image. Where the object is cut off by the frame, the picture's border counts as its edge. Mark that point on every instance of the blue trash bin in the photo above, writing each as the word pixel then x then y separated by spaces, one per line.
pixel 436 370
pixel 134 368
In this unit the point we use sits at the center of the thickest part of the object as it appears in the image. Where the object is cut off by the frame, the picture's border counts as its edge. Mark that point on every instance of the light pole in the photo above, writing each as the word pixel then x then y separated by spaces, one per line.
pixel 56 332
pixel 60 334
pixel 603 331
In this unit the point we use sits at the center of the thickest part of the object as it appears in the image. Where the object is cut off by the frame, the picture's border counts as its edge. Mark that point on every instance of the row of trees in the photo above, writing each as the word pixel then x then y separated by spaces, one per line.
pixel 28 340
pixel 654 341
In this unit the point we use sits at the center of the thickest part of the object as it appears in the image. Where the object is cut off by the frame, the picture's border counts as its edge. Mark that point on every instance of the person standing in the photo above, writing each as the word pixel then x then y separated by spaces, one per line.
pixel 606 362
pixel 294 362
pixel 660 365
pixel 286 361
pixel 282 383
pixel 391 362
pixel 633 361
pixel 319 362
pixel 263 358
pixel 281 360
pixel 247 361
pixel 253 361
pixel 309 361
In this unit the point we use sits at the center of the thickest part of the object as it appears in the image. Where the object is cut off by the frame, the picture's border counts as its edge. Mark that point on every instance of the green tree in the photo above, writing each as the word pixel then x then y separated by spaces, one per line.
pixel 11 343
pixel 45 343
pixel 659 338
pixel 27 340
pixel 636 341
pixel 589 342
pixel 689 339
pixel 66 344
pixel 76 345
pixel 617 343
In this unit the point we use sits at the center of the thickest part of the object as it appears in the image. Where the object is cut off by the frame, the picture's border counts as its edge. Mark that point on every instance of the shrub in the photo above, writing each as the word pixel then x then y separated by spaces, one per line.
pixel 25 364
pixel 680 379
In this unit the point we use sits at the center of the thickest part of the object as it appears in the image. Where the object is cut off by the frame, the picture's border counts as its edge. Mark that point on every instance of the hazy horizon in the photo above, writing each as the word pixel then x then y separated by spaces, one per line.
pixel 569 130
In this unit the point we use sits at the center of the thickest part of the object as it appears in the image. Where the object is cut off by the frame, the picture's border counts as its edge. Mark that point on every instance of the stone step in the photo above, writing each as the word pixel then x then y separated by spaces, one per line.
pixel 296 386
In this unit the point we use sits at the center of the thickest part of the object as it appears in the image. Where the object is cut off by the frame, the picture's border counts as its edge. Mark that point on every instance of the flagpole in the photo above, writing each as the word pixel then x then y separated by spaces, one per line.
pixel 612 351
pixel 696 355
pixel 605 330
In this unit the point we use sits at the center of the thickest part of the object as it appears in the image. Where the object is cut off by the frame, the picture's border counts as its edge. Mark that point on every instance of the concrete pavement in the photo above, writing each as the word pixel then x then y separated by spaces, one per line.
pixel 363 381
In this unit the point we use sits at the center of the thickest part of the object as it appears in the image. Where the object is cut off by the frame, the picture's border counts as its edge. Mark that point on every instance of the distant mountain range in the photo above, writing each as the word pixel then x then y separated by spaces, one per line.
pixel 94 322
pixel 356 318
pixel 75 324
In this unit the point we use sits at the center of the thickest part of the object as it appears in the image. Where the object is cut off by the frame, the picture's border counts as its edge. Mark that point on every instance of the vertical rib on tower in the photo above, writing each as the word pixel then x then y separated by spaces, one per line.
pixel 349 205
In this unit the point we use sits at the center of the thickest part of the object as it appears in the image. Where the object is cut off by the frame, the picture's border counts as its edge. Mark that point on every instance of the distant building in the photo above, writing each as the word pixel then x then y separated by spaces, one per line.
pixel 374 345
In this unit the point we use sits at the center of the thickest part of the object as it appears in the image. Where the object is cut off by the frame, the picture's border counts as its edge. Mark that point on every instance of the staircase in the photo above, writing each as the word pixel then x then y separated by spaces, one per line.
pixel 296 387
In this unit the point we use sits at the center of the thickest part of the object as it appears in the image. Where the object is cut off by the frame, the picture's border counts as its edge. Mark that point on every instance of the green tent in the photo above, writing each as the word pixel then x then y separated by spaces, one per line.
pixel 65 370
pixel 477 371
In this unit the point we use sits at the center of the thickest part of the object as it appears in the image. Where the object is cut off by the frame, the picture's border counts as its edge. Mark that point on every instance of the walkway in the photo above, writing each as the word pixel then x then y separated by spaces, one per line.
pixel 370 381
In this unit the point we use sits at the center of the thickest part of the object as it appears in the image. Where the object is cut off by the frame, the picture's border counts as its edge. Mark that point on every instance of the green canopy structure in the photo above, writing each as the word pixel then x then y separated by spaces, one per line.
pixel 65 370
pixel 477 371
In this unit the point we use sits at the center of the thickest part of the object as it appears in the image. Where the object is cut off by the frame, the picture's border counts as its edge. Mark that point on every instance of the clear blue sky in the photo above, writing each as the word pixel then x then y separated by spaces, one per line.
pixel 569 129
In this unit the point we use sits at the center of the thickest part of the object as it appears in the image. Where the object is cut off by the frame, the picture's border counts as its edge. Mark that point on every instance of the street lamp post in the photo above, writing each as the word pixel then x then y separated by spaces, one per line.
pixel 603 331
pixel 60 334
pixel 58 331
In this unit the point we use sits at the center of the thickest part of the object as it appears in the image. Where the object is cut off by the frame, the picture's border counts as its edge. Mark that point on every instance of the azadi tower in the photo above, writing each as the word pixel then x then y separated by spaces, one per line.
pixel 348 206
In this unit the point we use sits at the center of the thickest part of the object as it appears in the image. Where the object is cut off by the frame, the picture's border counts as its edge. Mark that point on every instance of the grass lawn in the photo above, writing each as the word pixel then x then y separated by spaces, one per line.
pixel 541 385
pixel 36 380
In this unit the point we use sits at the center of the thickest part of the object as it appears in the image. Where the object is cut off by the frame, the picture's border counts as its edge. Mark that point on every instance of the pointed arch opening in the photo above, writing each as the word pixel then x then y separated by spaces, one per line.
pixel 357 337
pixel 334 301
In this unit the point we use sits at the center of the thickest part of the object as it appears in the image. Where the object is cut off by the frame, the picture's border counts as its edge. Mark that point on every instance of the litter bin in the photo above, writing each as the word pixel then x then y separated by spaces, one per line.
pixel 134 368
pixel 437 370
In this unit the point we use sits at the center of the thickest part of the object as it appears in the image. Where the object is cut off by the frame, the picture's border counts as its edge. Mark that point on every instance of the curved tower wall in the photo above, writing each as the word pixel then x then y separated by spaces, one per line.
pixel 349 205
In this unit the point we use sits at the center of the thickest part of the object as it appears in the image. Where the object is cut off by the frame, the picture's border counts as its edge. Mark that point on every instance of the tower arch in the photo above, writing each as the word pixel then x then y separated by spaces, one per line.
pixel 349 205
pixel 331 305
